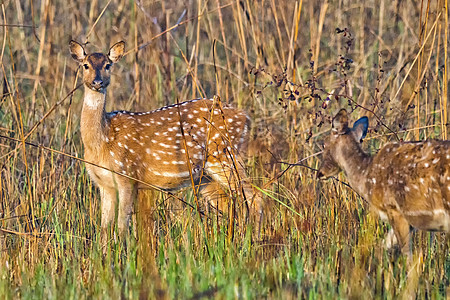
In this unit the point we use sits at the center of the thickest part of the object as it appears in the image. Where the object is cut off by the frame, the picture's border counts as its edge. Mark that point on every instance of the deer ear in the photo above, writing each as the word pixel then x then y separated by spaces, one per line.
pixel 77 51
pixel 116 51
pixel 360 128
pixel 340 122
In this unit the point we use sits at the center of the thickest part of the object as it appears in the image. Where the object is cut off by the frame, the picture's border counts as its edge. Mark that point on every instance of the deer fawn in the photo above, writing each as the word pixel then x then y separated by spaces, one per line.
pixel 154 146
pixel 407 183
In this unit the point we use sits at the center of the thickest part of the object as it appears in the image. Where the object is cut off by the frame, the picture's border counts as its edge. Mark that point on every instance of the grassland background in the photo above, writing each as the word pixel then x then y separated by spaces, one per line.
pixel 291 65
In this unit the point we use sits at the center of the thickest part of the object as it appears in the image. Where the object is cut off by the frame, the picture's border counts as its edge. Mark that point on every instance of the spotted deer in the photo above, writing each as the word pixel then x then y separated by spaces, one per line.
pixel 407 183
pixel 166 147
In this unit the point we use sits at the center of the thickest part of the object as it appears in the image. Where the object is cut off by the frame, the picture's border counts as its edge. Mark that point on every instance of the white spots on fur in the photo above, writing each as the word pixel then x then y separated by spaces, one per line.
pixel 164 145
pixel 435 161
pixel 407 189
pixel 197 156
pixel 426 165
pixel 112 153
pixel 119 163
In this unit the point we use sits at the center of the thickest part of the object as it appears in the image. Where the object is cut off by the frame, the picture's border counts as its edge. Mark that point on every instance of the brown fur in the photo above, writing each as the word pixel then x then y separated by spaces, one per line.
pixel 153 147
pixel 407 183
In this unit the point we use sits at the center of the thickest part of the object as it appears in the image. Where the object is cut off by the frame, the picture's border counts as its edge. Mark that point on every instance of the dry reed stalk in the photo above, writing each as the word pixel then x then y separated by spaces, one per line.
pixel 446 111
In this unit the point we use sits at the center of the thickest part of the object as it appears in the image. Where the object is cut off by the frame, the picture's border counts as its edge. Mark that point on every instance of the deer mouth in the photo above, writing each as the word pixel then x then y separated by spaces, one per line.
pixel 96 87
pixel 320 175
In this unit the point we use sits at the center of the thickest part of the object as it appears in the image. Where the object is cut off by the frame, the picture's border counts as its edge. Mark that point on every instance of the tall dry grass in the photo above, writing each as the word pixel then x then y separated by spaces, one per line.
pixel 290 65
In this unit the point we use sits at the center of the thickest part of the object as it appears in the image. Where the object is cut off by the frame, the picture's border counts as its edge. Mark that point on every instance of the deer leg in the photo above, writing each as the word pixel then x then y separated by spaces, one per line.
pixel 390 239
pixel 127 194
pixel 235 178
pixel 108 207
pixel 402 231
pixel 214 195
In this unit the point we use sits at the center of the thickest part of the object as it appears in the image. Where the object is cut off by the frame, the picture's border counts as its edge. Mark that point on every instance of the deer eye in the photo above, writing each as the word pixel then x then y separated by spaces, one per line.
pixel 86 66
pixel 107 67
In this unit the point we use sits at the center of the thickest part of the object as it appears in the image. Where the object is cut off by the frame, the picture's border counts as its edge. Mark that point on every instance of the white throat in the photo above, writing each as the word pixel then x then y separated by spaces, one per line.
pixel 93 99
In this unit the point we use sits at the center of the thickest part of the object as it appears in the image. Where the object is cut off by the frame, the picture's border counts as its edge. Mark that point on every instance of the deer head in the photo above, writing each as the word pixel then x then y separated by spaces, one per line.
pixel 342 139
pixel 96 66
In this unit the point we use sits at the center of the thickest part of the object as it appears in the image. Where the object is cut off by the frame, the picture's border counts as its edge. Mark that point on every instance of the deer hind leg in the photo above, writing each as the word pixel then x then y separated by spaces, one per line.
pixel 232 175
pixel 390 239
pixel 214 195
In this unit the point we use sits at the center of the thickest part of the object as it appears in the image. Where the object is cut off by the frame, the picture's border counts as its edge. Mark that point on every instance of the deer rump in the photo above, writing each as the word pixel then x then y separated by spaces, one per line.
pixel 414 178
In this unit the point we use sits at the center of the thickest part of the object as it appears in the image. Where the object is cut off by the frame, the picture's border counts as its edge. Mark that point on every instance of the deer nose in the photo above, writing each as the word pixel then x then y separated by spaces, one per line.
pixel 97 83
pixel 319 175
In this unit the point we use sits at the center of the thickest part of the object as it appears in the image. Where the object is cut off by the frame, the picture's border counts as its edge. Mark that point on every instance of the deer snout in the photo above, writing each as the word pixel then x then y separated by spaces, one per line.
pixel 97 83
pixel 320 175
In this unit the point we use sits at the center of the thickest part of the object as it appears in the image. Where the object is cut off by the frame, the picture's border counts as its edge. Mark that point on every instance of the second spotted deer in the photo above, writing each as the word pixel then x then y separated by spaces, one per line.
pixel 166 148
pixel 407 183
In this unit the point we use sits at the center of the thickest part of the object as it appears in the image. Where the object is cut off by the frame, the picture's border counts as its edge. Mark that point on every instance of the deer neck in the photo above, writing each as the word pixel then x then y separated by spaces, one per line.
pixel 356 164
pixel 94 123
